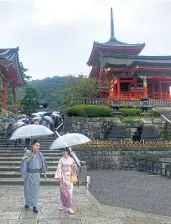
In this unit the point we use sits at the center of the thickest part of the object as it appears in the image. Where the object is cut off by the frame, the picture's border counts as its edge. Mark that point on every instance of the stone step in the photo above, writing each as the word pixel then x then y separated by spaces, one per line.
pixel 17 174
pixel 23 143
pixel 18 158
pixel 17 163
pixel 19 181
pixel 12 151
pixel 22 148
pixel 20 154
pixel 17 168
pixel 41 140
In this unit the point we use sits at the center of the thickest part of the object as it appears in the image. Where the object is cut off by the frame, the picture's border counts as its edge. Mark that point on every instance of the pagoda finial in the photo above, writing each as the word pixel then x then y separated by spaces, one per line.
pixel 112 37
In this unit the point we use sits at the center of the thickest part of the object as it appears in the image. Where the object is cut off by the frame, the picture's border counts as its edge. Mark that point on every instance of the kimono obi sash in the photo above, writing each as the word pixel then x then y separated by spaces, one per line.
pixel 33 170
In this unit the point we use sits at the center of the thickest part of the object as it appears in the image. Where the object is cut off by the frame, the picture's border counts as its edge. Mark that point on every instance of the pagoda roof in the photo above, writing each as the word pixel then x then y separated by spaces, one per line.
pixel 108 60
pixel 113 46
pixel 116 43
pixel 11 67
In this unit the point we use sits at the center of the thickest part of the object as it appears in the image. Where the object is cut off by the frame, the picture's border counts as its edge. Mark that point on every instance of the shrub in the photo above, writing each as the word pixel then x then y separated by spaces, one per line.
pixel 128 112
pixel 76 111
pixel 154 113
pixel 89 111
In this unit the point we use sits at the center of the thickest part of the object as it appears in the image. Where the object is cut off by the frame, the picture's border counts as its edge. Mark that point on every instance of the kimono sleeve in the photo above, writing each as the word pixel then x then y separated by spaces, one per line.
pixel 44 164
pixel 23 165
pixel 58 173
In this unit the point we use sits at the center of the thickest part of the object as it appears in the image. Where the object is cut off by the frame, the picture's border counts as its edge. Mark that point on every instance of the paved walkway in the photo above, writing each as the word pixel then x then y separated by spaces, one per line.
pixel 87 210
pixel 132 190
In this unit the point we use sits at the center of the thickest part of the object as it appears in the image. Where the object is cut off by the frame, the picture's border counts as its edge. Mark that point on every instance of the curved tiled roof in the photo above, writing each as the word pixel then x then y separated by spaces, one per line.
pixel 10 55
pixel 115 42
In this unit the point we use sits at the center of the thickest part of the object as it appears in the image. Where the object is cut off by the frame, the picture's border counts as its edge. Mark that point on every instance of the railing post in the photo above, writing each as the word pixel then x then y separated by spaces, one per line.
pixel 82 176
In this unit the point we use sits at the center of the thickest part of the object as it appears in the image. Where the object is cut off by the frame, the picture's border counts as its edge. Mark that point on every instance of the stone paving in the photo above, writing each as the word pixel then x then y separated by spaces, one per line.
pixel 87 209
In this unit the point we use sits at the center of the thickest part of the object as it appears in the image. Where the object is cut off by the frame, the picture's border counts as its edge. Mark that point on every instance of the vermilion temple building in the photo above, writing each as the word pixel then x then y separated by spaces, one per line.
pixel 124 74
pixel 11 71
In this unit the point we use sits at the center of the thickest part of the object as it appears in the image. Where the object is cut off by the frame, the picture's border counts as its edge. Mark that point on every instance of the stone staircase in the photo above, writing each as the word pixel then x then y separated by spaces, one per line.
pixel 117 132
pixel 10 159
pixel 167 114
pixel 150 133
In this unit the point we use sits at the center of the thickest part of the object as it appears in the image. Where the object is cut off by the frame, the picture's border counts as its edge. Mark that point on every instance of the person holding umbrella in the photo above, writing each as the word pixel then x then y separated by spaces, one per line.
pixel 32 165
pixel 66 175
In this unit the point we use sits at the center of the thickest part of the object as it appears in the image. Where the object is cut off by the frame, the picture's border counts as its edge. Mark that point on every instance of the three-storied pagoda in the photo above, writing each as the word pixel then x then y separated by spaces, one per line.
pixel 124 74
pixel 11 71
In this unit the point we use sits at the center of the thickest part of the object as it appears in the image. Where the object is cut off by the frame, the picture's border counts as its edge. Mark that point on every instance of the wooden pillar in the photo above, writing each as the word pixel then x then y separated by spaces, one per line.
pixel 135 87
pixel 160 89
pixel 145 85
pixel 118 88
pixel 101 78
pixel 168 90
pixel 4 95
pixel 153 88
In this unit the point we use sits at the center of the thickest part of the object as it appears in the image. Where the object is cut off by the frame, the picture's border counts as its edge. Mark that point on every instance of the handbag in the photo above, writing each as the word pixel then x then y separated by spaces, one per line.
pixel 74 179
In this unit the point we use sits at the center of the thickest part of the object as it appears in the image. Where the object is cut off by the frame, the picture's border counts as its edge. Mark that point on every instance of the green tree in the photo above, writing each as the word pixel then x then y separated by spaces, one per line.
pixel 31 100
pixel 78 87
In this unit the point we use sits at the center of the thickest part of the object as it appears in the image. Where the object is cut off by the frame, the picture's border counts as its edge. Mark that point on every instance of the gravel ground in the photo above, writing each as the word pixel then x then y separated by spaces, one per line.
pixel 132 190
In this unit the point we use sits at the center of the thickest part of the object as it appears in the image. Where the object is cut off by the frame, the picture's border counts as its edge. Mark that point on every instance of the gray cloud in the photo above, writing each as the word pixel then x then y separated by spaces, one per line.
pixel 62 47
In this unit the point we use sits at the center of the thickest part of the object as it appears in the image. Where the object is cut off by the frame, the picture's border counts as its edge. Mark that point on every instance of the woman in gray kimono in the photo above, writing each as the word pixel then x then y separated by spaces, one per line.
pixel 32 165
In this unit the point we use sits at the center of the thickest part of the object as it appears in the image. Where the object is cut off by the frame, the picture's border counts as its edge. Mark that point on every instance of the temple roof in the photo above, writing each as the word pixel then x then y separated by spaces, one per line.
pixel 116 43
pixel 113 46
pixel 9 54
pixel 130 61
pixel 11 67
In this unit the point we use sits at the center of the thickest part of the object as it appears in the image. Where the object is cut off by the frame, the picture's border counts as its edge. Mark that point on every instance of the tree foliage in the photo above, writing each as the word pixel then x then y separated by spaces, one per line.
pixel 46 88
pixel 78 87
pixel 31 100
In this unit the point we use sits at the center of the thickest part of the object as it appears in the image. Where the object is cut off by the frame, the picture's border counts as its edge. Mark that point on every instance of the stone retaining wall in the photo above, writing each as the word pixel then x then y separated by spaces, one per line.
pixel 118 159
pixel 96 128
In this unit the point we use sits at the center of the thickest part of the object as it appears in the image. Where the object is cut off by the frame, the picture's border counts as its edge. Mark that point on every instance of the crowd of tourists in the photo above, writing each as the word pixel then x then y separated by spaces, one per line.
pixel 50 120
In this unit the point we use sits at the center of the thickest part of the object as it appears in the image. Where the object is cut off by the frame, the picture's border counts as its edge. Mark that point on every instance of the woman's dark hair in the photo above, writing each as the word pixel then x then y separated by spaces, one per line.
pixel 65 150
pixel 35 141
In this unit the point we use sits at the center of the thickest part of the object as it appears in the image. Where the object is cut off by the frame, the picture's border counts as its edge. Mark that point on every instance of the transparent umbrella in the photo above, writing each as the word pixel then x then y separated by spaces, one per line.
pixel 48 118
pixel 31 130
pixel 21 116
pixel 37 118
pixel 68 140
pixel 18 124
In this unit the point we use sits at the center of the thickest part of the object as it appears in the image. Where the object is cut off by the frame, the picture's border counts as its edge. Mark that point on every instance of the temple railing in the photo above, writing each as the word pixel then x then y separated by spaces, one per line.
pixel 127 145
pixel 130 102
pixel 155 167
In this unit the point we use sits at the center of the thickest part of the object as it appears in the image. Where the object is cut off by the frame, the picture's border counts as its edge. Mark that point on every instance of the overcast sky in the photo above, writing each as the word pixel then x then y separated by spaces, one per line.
pixel 55 37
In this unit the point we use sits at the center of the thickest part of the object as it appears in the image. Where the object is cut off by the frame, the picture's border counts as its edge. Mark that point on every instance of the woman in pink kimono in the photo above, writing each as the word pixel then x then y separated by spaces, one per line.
pixel 66 168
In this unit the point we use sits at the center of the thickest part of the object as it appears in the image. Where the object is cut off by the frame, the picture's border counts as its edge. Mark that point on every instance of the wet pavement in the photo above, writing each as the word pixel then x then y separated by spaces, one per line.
pixel 132 190
pixel 87 209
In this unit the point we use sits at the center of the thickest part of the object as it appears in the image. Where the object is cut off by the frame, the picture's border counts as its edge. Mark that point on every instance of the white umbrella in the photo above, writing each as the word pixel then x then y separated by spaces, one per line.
pixel 69 139
pixel 42 112
pixel 36 114
pixel 48 118
pixel 22 116
pixel 18 124
pixel 37 118
pixel 31 130
pixel 56 114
